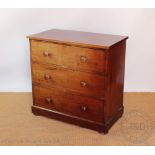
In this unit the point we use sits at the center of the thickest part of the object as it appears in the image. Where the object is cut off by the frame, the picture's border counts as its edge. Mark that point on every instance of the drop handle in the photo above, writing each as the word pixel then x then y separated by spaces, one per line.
pixel 84 108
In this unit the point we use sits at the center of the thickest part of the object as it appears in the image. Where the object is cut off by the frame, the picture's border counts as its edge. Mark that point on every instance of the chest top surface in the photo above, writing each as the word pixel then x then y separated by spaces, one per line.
pixel 87 39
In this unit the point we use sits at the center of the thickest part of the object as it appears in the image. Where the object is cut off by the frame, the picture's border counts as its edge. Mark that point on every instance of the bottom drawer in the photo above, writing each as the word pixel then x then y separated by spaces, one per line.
pixel 71 104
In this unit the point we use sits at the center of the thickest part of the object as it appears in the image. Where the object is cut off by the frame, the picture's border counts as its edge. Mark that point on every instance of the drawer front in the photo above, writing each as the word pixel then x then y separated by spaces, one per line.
pixel 76 58
pixel 79 106
pixel 79 82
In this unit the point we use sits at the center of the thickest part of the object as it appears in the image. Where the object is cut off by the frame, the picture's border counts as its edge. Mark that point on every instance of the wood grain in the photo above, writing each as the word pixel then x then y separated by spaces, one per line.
pixel 114 84
pixel 69 104
pixel 78 38
pixel 75 58
pixel 78 77
pixel 71 80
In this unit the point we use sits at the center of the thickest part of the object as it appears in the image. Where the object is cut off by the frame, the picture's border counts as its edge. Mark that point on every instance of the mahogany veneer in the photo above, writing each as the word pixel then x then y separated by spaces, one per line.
pixel 78 77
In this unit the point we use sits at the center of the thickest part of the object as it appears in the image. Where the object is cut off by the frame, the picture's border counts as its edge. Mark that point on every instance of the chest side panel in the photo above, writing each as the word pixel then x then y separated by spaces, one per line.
pixel 115 82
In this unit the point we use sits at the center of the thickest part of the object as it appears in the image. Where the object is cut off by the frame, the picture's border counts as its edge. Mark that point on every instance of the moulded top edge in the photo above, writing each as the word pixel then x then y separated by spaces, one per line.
pixel 86 39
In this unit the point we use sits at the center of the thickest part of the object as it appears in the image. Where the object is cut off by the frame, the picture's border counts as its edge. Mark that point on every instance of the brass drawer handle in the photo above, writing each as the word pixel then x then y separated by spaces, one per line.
pixel 83 59
pixel 48 100
pixel 47 77
pixel 83 84
pixel 84 108
pixel 46 54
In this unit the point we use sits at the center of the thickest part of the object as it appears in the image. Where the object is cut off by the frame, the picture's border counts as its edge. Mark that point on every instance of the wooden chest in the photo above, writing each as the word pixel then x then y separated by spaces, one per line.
pixel 78 77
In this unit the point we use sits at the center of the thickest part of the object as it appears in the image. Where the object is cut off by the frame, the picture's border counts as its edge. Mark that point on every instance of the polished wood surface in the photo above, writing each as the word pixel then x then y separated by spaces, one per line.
pixel 80 82
pixel 75 58
pixel 76 79
pixel 78 38
pixel 79 106
pixel 115 83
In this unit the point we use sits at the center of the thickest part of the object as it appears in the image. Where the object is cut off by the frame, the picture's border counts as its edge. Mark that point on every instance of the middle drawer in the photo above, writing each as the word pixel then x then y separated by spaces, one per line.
pixel 75 81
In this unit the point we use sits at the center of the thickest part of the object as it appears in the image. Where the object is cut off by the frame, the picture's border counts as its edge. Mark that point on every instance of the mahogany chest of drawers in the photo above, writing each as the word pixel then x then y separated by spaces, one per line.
pixel 78 77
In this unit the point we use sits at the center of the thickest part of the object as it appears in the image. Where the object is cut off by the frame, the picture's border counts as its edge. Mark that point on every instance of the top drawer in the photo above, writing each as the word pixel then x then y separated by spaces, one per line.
pixel 76 58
